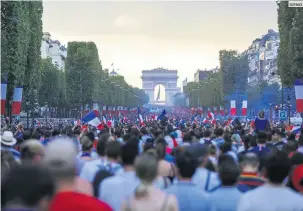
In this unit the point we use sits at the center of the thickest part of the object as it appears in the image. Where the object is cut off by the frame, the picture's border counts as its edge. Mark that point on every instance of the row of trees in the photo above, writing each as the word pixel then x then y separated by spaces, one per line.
pixel 21 32
pixel 290 57
pixel 83 83
pixel 219 87
pixel 87 83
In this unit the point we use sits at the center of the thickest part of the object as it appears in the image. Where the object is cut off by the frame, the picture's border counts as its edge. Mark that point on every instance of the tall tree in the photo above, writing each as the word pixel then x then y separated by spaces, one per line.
pixel 285 57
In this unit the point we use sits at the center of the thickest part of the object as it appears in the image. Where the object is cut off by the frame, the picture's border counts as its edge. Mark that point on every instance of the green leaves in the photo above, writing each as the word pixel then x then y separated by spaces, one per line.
pixel 290 57
pixel 86 82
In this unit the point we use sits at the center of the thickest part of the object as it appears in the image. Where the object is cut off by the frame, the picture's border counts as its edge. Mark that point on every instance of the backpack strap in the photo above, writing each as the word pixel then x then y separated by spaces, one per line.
pixel 207 180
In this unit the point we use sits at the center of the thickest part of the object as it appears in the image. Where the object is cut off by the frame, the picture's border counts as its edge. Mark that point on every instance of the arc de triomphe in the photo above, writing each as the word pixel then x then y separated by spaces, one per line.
pixel 154 77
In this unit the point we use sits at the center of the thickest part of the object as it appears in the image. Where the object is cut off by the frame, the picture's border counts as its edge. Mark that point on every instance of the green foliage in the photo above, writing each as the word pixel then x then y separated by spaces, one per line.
pixel 206 93
pixel 86 82
pixel 290 57
pixel 21 32
pixel 233 72
pixel 50 88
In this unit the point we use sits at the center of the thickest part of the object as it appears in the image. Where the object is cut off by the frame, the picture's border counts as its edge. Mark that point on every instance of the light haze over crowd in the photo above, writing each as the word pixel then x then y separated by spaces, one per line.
pixel 144 35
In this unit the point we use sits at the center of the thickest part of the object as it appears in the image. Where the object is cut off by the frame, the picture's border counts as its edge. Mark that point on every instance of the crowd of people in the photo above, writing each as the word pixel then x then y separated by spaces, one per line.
pixel 156 167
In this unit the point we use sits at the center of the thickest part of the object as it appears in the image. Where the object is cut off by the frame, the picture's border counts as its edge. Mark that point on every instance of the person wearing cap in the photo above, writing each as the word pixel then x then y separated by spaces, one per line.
pixel 204 178
pixel 273 195
pixel 72 193
pixel 249 178
pixel 8 142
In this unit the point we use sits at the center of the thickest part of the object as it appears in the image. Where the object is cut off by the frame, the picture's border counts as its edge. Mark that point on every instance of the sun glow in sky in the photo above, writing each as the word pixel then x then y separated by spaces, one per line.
pixel 137 36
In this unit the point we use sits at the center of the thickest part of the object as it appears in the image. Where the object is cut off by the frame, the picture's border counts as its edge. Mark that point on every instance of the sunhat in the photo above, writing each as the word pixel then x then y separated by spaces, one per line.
pixel 7 138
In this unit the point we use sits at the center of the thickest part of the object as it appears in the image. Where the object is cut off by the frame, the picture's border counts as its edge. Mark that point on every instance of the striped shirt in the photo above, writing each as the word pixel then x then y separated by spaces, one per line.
pixel 249 181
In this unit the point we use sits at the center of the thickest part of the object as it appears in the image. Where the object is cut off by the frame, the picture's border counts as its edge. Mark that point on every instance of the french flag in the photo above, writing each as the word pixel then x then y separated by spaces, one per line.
pixel 3 97
pixel 244 108
pixel 93 119
pixel 299 95
pixel 233 110
pixel 141 121
pixel 17 101
pixel 211 115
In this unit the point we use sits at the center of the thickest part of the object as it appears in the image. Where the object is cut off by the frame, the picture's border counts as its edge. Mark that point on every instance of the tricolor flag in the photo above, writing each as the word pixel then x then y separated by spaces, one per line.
pixel 299 95
pixel 233 110
pixel 3 97
pixel 92 118
pixel 17 101
pixel 244 108
pixel 211 115
pixel 141 121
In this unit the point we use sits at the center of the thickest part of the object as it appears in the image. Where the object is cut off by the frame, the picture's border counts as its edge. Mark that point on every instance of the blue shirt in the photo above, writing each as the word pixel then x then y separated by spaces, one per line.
pixel 189 196
pixel 225 199
pixel 205 179
pixel 169 158
pixel 114 190
pixel 16 154
pixel 271 198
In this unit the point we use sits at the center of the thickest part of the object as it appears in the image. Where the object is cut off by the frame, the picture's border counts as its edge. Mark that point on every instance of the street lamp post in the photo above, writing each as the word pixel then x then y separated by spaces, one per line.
pixel 27 111
pixel 288 105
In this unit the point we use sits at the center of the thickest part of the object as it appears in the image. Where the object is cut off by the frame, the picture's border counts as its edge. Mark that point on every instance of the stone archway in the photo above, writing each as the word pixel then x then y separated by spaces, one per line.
pixel 154 77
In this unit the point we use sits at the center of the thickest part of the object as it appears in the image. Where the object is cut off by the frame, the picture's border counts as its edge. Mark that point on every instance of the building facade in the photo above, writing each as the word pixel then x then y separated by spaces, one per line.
pixel 262 59
pixel 54 50
pixel 201 75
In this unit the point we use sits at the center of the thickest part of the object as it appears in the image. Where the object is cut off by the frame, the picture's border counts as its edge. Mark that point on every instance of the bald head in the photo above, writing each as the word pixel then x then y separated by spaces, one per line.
pixel 60 158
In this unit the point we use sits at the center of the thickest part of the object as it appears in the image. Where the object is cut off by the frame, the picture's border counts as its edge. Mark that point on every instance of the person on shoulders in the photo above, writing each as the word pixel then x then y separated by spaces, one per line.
pixel 261 123
pixel 185 189
pixel 273 195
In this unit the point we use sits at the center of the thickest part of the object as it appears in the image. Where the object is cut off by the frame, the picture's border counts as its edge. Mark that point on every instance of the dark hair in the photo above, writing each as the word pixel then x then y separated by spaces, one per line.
pixel 229 172
pixel 219 132
pixel 262 137
pixel 148 146
pixel 55 132
pixel 290 146
pixel 187 138
pixel 27 135
pixel 118 133
pixel 129 152
pixel 35 184
pixel 186 164
pixel 277 166
pixel 101 145
pixel 300 142
pixel 91 136
pixel 47 134
pixel 161 148
pixel 113 149
pixel 207 133
pixel 247 139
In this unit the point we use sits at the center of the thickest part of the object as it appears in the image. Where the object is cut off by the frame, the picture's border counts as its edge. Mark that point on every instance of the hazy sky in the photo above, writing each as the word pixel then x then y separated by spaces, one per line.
pixel 144 35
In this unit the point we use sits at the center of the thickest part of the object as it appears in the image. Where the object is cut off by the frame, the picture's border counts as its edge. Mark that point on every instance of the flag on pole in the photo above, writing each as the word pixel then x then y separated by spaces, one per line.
pixel 3 97
pixel 141 121
pixel 17 101
pixel 299 95
pixel 158 95
pixel 162 115
pixel 244 108
pixel 233 110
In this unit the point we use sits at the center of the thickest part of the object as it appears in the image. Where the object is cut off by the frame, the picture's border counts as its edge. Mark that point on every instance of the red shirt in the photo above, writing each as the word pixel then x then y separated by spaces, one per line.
pixel 74 201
